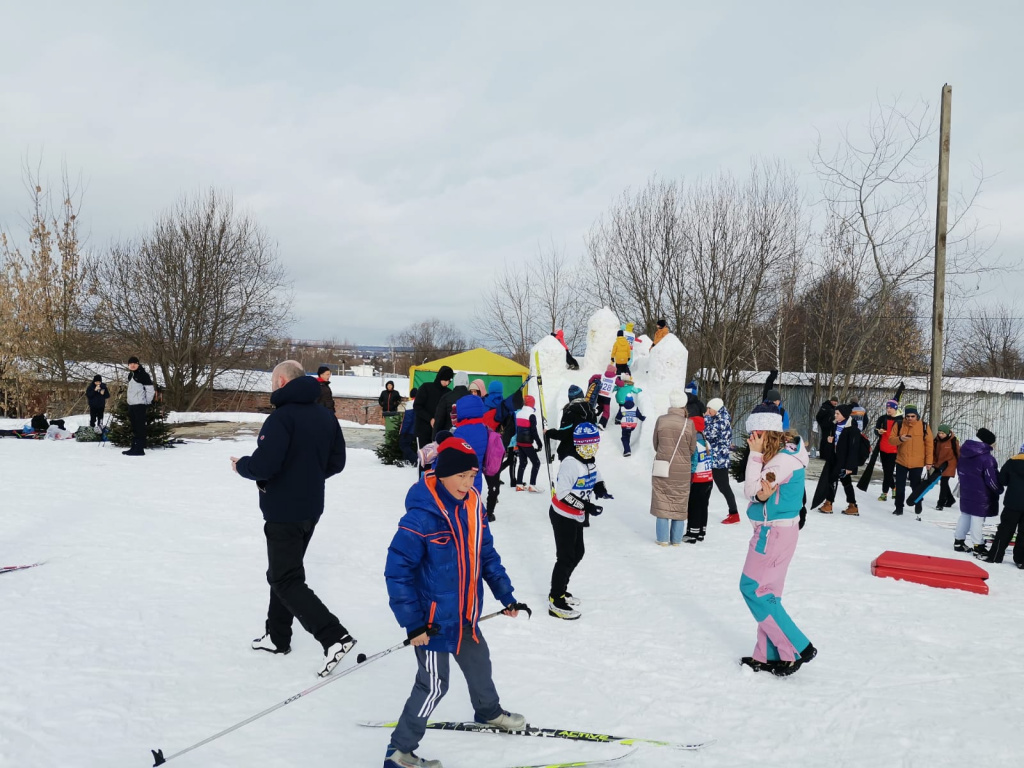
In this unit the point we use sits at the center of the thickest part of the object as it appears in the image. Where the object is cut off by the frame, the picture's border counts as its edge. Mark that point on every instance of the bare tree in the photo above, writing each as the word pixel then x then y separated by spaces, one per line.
pixel 991 343
pixel 428 340
pixel 529 300
pixel 199 294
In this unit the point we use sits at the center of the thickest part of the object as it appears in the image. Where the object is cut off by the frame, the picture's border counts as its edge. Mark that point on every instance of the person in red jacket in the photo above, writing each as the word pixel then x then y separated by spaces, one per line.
pixel 884 427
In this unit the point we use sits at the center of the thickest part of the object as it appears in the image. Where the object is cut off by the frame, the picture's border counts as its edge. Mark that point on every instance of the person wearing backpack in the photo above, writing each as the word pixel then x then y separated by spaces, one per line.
pixel 848 448
pixel 701 482
pixel 915 449
pixel 947 449
pixel 675 440
pixel 628 418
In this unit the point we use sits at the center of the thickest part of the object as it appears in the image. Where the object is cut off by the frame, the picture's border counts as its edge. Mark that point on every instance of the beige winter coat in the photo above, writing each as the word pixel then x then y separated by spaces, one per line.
pixel 670 495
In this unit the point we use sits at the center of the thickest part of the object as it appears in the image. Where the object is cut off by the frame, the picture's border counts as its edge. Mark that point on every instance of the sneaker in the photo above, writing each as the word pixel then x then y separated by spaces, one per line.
pixel 826 508
pixel 884 496
pixel 960 545
pixel 676 544
pixel 573 601
pixel 507 721
pixel 662 543
pixel 691 538
pixel 335 654
pixel 396 758
pixel 520 487
pixel 533 489
pixel 560 609
pixel 851 510
pixel 626 453
pixel 731 519
pixel 266 644
pixel 938 507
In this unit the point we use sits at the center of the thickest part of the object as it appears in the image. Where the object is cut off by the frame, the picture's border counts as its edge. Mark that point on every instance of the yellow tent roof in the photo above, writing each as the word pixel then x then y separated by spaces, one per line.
pixel 477 360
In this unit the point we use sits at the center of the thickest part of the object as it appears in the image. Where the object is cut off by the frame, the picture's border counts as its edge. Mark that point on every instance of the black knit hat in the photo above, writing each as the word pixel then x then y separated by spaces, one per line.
pixel 133 359
pixel 986 436
pixel 772 396
pixel 846 409
pixel 322 369
pixel 455 456
pixel 662 323
pixel 620 333
pixel 445 374
pixel 96 378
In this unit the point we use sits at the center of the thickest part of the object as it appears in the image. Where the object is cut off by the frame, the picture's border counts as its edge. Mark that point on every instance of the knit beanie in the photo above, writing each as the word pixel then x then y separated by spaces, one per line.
pixel 946 428
pixel 610 370
pixel 910 408
pixel 698 423
pixel 894 404
pixel 846 409
pixel 662 323
pixel 629 403
pixel 620 333
pixel 133 359
pixel 676 399
pixel 96 378
pixel 529 401
pixel 586 434
pixel 691 388
pixel 765 417
pixel 455 456
pixel 986 436
pixel 322 369
pixel 445 373
pixel 479 386
pixel 716 404
pixel 461 379
pixel 772 396
pixel 575 392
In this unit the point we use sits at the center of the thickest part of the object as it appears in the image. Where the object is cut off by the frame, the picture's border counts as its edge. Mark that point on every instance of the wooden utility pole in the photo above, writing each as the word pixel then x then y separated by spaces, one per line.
pixel 939 292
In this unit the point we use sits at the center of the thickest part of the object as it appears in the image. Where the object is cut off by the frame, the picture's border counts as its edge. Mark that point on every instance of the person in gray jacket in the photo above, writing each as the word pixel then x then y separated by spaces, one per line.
pixel 140 395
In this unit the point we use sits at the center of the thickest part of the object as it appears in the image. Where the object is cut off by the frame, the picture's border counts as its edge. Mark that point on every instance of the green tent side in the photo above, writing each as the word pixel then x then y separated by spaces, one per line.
pixel 478 364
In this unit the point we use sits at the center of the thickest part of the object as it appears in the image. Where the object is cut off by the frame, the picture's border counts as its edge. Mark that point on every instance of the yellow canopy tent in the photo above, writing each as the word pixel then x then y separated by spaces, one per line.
pixel 479 363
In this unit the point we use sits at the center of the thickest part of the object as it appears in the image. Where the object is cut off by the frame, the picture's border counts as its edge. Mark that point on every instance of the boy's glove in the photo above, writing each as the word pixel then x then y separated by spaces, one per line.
pixel 552 434
pixel 593 509
pixel 601 492
pixel 429 629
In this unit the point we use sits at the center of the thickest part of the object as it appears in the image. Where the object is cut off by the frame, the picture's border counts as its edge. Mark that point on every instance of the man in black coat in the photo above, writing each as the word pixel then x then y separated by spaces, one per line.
pixel 425 404
pixel 443 412
pixel 826 421
pixel 844 460
pixel 97 395
pixel 389 399
pixel 326 396
pixel 299 447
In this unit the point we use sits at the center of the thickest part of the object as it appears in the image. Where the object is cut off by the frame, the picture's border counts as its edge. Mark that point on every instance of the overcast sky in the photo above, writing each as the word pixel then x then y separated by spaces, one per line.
pixel 399 152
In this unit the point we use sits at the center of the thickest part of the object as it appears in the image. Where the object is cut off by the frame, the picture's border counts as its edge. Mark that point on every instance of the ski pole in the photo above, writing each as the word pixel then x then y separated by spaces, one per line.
pixel 361 661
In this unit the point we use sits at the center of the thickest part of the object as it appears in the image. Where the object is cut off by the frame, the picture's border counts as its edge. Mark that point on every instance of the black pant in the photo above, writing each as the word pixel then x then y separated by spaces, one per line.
pixel 137 417
pixel 900 488
pixel 721 475
pixel 621 368
pixel 289 595
pixel 1011 522
pixel 528 453
pixel 847 482
pixel 493 489
pixel 946 497
pixel 888 471
pixel 569 551
pixel 697 507
pixel 96 415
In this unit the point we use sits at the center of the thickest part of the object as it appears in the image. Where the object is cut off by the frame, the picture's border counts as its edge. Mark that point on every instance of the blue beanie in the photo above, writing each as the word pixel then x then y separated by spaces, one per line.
pixel 586 433
pixel 574 392
pixel 692 387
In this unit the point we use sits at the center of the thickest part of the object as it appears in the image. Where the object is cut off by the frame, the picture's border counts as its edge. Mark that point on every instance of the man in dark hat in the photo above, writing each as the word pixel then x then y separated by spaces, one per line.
pixel 140 395
pixel 326 399
pixel 97 395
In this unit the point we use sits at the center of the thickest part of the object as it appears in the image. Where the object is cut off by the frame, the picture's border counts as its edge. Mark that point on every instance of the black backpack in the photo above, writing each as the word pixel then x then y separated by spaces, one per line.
pixel 39 422
pixel 864 450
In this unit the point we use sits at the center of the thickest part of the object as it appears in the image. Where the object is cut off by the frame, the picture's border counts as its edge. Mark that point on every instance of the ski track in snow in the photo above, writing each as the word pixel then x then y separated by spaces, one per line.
pixel 134 635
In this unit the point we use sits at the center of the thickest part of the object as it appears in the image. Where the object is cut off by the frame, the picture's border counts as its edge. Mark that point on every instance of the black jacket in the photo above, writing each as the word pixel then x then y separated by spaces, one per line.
pixel 425 406
pixel 443 412
pixel 847 450
pixel 574 413
pixel 325 397
pixel 299 447
pixel 1011 475
pixel 826 419
pixel 96 399
pixel 389 399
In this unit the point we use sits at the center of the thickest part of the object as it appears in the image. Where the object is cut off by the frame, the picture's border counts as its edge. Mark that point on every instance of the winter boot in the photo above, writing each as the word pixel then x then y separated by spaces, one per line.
pixel 626 453
pixel 266 644
pixel 700 534
pixel 335 653
pixel 691 537
pixel 981 551
pixel 731 518
pixel 852 510
pixel 507 721
pixel 559 608
pixel 938 507
pixel 396 758
pixel 898 511
pixel 785 668
pixel 960 545
pixel 884 496
pixel 807 654
pixel 826 508
pixel 754 664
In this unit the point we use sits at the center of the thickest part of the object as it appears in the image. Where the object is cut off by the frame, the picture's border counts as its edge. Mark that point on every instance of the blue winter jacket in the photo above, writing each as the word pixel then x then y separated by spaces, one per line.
pixel 408 422
pixel 718 433
pixel 469 411
pixel 299 447
pixel 495 400
pixel 438 561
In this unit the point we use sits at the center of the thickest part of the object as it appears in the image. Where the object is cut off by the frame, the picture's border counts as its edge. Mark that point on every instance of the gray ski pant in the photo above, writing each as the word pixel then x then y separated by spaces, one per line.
pixel 474 659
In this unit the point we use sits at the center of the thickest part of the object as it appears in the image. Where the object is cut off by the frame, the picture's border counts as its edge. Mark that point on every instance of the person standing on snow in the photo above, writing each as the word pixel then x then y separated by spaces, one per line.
pixel 979 492
pixel 97 394
pixel 825 419
pixel 437 563
pixel 326 399
pixel 628 418
pixel 621 353
pixel 947 450
pixel 443 410
pixel 915 448
pixel 140 394
pixel 606 386
pixel 527 444
pixel 298 448
pixel 661 333
pixel 718 433
pixel 425 405
pixel 577 411
pixel 887 423
pixel 774 486
pixel 570 511
pixel 701 482
pixel 389 400
pixel 844 459
pixel 407 433
pixel 675 440
pixel 1011 477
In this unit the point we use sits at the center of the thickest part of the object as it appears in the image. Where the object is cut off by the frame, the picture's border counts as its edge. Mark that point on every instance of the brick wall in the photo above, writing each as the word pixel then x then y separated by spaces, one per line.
pixel 362 410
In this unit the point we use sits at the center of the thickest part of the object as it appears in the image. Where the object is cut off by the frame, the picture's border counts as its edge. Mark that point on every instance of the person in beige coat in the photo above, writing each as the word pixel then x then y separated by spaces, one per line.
pixel 673 434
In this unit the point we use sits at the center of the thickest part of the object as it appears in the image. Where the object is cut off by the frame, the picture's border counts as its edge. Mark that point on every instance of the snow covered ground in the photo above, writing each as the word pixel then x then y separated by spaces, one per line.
pixel 135 632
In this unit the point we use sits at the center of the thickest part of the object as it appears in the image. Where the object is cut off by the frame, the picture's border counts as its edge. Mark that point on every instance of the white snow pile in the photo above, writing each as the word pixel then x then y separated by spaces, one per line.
pixel 601 330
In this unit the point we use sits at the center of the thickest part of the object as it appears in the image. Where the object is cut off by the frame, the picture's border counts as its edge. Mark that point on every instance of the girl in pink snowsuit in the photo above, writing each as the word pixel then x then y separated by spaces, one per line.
pixel 774 486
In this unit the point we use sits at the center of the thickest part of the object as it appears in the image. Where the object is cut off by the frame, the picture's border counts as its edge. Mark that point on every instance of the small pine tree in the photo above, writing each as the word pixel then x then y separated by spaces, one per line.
pixel 158 431
pixel 389 452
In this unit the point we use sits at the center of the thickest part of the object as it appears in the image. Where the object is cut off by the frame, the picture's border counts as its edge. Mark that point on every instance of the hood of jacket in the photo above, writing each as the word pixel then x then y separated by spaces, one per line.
pixel 469 407
pixel 389 384
pixel 972 449
pixel 304 389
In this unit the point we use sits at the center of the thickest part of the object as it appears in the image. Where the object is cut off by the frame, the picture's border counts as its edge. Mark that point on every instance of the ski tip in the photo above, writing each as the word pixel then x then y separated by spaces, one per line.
pixel 158 757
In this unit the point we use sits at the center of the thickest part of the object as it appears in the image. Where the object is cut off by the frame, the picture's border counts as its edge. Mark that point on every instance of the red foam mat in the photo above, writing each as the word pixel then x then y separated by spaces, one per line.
pixel 942 572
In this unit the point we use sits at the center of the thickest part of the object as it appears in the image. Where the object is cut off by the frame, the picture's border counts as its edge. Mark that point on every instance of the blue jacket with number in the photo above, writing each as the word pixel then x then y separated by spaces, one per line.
pixel 438 561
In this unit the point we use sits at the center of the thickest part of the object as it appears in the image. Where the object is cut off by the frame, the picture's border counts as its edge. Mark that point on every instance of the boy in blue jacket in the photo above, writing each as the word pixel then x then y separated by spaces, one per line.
pixel 436 565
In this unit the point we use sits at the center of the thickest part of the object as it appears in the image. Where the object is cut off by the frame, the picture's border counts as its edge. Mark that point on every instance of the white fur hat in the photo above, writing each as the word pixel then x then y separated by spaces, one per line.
pixel 677 399
pixel 764 418
pixel 716 404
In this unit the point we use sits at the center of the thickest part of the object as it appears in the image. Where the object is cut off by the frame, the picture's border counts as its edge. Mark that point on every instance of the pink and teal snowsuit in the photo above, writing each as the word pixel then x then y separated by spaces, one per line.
pixel 776 530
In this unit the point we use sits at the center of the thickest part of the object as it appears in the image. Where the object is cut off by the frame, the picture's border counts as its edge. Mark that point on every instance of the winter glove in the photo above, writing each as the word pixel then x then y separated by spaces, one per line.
pixel 552 434
pixel 429 629
pixel 601 492
pixel 593 509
